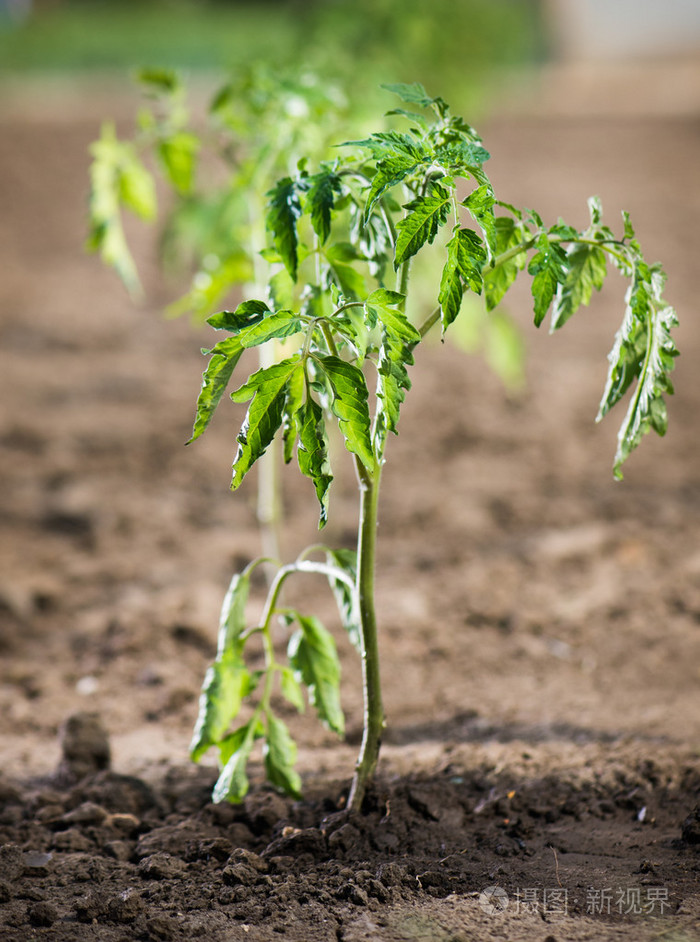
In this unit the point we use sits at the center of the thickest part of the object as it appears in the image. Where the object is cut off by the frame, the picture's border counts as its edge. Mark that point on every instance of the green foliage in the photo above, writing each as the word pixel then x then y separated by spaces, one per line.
pixel 373 214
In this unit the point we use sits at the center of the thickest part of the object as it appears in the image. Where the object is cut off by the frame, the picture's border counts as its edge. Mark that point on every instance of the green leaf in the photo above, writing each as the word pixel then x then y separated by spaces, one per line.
pixel 232 620
pixel 399 337
pixel 548 268
pixel 245 315
pixel 290 417
pixel 165 81
pixel 225 685
pixel 480 203
pixel 313 656
pixel 321 200
pixel 291 689
pixel 465 258
pixel 644 351
pixel 392 318
pixel 277 326
pixel 136 186
pixel 178 154
pixel 345 596
pixel 349 405
pixel 389 172
pixel 586 270
pixel 498 280
pixel 117 178
pixel 312 453
pixel 421 224
pixel 232 784
pixel 280 756
pixel 224 357
pixel 283 210
pixel 413 94
pixel 267 387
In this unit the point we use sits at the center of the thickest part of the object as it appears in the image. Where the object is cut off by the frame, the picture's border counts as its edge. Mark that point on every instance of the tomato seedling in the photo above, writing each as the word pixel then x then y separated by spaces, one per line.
pixel 342 239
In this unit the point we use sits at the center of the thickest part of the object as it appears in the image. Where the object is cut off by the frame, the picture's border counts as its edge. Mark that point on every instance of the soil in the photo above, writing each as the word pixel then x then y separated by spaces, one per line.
pixel 540 622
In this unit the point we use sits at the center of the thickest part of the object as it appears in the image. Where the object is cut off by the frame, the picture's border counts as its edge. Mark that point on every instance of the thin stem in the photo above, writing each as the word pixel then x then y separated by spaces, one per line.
pixel 430 321
pixel 373 709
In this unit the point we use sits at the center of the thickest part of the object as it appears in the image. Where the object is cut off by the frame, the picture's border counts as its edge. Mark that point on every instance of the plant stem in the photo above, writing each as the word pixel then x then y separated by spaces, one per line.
pixel 373 709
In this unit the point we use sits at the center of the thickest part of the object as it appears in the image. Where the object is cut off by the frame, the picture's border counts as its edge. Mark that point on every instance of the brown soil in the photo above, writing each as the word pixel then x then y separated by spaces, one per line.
pixel 540 623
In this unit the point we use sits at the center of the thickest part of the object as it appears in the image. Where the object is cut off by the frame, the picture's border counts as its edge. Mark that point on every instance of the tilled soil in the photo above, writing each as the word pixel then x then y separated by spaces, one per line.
pixel 540 623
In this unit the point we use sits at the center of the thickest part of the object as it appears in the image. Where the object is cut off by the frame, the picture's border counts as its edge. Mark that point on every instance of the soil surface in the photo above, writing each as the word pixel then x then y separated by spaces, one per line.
pixel 540 623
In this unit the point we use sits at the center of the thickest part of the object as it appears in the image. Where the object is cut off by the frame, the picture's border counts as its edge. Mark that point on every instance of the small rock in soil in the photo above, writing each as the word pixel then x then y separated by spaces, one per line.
pixel 118 794
pixel 690 830
pixel 90 907
pixel 42 914
pixel 86 813
pixel 119 850
pixel 84 746
pixel 161 867
pixel 125 907
pixel 161 928
pixel 241 855
pixel 72 841
pixel 294 842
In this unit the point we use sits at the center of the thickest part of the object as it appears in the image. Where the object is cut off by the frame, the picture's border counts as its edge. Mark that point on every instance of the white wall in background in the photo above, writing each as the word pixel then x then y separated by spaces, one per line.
pixel 613 29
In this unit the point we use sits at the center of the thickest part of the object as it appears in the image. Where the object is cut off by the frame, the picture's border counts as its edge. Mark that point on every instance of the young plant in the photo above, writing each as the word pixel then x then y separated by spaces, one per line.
pixel 258 125
pixel 342 238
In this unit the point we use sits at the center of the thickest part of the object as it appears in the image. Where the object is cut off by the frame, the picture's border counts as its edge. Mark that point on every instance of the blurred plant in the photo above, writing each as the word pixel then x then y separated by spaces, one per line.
pixel 259 123
pixel 343 236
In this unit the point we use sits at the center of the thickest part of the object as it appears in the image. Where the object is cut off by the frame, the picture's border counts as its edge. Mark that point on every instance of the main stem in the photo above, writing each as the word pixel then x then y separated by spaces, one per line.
pixel 371 686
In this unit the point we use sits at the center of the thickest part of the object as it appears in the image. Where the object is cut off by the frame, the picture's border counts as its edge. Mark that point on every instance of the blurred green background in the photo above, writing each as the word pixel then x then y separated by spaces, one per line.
pixel 457 48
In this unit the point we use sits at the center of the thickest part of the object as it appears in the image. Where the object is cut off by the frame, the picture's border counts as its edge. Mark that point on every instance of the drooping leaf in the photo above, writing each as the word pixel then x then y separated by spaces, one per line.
pixel 389 172
pixel 548 268
pixel 225 685
pixel 323 189
pixel 421 224
pixel 585 270
pixel 283 211
pixel 232 784
pixel 465 259
pixel 644 351
pixel 291 689
pixel 312 453
pixel 398 339
pixel 349 405
pixel 280 756
pixel 480 203
pixel 498 280
pixel 117 178
pixel 267 387
pixel 232 620
pixel 178 155
pixel 224 357
pixel 294 397
pixel 313 656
